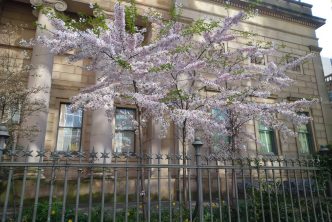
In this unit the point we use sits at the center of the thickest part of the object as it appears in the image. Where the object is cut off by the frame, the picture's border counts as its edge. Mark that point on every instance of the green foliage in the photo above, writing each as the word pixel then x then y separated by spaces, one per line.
pixel 199 26
pixel 56 211
pixel 181 49
pixel 123 63
pixel 162 67
pixel 269 201
pixel 175 12
pixel 131 14
pixel 175 95
pixel 324 163
pixel 96 23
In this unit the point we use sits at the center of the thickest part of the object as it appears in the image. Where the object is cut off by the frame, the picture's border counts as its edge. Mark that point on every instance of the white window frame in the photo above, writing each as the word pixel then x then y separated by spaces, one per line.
pixel 64 127
pixel 133 130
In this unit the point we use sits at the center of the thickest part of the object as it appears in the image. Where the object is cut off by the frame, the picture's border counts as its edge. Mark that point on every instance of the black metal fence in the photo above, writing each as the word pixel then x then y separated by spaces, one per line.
pixel 145 187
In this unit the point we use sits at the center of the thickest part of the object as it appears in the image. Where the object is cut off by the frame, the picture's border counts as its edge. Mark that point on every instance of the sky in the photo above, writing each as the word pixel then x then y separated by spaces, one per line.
pixel 323 9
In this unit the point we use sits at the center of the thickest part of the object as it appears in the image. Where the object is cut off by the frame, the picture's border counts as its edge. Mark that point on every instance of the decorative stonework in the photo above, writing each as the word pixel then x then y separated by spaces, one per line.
pixel 315 48
pixel 58 5
pixel 277 12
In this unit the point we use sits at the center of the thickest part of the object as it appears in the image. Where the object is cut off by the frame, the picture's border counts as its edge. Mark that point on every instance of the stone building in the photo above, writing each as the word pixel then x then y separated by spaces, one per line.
pixel 285 22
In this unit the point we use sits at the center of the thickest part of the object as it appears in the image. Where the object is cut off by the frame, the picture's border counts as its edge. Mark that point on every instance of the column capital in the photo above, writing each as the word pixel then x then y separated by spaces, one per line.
pixel 58 5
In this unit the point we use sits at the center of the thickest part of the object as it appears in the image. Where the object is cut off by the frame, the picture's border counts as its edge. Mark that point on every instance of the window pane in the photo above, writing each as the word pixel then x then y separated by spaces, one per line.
pixel 124 119
pixel 218 140
pixel 69 118
pixel 219 114
pixel 124 141
pixel 304 137
pixel 265 138
pixel 304 143
pixel 259 60
pixel 263 127
pixel 303 129
pixel 68 138
pixel 330 95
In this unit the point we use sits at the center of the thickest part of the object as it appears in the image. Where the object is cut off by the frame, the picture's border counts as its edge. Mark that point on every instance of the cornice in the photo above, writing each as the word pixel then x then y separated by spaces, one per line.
pixel 315 48
pixel 278 12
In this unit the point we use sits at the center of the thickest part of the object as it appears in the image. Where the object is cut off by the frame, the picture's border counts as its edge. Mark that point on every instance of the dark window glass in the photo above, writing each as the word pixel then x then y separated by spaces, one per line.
pixel 258 60
pixel 266 138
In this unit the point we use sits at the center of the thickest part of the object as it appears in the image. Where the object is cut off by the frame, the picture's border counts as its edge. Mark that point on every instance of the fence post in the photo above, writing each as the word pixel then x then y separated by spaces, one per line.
pixel 199 201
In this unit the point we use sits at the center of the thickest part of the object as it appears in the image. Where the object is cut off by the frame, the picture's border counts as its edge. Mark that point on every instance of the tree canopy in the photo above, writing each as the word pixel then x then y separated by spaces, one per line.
pixel 184 74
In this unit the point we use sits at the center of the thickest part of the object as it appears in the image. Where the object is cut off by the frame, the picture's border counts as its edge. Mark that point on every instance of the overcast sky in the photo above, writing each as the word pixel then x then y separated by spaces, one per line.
pixel 323 9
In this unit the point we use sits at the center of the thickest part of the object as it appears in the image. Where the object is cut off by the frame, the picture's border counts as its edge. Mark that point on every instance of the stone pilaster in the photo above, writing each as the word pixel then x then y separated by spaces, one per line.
pixel 101 134
pixel 325 135
pixel 41 76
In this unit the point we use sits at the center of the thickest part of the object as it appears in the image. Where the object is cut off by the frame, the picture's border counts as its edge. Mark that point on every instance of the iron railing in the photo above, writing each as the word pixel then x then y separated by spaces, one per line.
pixel 146 187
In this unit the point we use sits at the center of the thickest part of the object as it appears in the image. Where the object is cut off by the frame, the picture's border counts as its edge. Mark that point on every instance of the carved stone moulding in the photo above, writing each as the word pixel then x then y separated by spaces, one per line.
pixel 58 5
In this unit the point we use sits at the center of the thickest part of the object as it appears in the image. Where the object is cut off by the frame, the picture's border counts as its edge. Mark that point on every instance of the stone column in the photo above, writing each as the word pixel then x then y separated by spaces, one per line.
pixel 155 139
pixel 322 137
pixel 41 76
pixel 101 134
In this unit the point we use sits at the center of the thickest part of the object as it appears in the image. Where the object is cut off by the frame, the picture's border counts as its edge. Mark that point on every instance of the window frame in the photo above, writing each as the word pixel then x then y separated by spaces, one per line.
pixel 264 59
pixel 58 127
pixel 126 130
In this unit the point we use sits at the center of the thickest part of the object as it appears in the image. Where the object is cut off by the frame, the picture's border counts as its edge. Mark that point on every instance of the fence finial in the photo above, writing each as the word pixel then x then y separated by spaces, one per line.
pixel 197 143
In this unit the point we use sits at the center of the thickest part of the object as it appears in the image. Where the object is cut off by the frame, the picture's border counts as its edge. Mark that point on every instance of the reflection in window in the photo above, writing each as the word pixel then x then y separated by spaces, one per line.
pixel 218 139
pixel 304 138
pixel 69 129
pixel 124 130
pixel 258 60
pixel 266 138
pixel 330 96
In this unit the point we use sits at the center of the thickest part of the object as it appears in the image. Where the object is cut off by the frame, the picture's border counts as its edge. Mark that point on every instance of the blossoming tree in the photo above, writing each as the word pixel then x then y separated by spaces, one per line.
pixel 17 102
pixel 183 75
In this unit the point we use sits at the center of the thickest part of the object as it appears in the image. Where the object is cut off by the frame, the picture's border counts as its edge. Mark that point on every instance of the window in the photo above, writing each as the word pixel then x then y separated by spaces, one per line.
pixel 258 60
pixel 266 138
pixel 124 130
pixel 219 140
pixel 11 113
pixel 304 137
pixel 69 129
pixel 296 68
pixel 330 96
pixel 216 52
